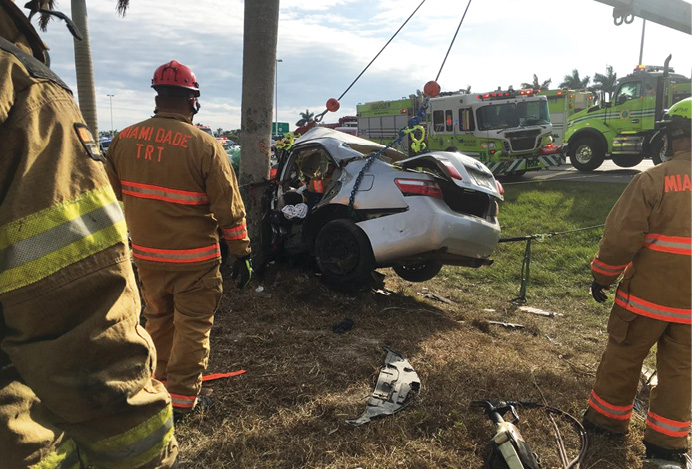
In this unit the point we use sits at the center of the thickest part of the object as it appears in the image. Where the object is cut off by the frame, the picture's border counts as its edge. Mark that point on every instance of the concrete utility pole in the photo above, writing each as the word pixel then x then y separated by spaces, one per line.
pixel 261 23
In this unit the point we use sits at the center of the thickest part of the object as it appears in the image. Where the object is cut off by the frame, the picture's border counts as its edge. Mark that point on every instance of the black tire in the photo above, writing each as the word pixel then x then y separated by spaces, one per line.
pixel 658 151
pixel 343 253
pixel 627 161
pixel 418 272
pixel 586 153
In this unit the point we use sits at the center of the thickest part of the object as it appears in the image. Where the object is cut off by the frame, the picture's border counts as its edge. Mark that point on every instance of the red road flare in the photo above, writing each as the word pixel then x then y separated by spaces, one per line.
pixel 214 376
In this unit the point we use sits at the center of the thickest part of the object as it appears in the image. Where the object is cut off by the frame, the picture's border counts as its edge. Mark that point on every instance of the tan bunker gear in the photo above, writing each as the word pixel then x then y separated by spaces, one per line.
pixel 647 239
pixel 76 386
pixel 178 189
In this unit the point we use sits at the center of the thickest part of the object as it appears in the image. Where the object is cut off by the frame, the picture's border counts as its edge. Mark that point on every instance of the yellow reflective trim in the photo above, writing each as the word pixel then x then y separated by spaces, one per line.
pixel 128 442
pixel 36 246
pixel 41 268
pixel 55 215
pixel 64 457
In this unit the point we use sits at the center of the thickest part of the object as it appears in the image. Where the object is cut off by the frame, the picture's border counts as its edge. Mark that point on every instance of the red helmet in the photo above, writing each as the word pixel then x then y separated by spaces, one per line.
pixel 176 74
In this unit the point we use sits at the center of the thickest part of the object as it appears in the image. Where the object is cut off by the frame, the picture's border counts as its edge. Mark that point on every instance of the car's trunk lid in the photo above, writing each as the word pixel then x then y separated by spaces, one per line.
pixel 464 171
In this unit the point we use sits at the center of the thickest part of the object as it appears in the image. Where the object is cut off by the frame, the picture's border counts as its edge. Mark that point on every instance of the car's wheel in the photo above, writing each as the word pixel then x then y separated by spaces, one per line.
pixel 586 153
pixel 418 272
pixel 627 161
pixel 343 253
pixel 658 151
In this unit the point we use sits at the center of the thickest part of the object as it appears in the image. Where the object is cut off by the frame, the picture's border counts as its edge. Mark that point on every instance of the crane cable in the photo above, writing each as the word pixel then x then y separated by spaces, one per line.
pixel 319 116
pixel 453 39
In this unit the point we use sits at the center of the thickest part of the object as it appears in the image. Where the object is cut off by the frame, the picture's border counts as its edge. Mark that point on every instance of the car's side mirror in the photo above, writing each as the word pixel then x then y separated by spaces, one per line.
pixel 622 99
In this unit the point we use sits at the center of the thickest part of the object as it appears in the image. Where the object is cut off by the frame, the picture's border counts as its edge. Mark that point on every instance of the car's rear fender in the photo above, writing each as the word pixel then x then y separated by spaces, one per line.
pixel 429 225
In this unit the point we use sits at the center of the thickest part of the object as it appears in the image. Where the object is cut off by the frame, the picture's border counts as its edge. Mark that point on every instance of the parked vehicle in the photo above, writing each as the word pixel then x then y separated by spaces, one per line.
pixel 562 104
pixel 623 128
pixel 508 131
pixel 354 212
pixel 104 143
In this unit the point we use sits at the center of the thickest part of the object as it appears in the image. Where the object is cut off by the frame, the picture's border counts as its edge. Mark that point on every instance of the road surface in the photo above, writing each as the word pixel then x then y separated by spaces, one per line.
pixel 608 172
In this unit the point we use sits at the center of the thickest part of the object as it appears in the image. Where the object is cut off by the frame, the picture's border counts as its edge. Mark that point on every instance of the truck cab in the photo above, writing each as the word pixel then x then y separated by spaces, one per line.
pixel 623 128
pixel 509 131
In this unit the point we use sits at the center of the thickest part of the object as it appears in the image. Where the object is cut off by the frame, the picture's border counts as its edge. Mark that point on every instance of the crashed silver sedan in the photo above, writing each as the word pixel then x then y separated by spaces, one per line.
pixel 357 206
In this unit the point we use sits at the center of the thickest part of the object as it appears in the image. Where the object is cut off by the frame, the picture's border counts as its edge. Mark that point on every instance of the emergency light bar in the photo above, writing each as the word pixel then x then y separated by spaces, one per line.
pixel 506 94
pixel 651 68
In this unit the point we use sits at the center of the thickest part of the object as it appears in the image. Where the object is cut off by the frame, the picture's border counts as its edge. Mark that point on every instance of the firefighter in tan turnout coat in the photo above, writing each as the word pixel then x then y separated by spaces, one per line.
pixel 179 189
pixel 647 239
pixel 76 386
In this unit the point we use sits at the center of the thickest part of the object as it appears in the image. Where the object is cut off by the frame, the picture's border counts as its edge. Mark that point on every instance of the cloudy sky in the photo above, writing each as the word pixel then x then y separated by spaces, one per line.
pixel 325 44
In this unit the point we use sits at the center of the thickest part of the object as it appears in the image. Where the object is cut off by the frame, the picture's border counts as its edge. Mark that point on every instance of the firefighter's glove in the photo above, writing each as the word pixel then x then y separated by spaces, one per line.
pixel 598 293
pixel 242 271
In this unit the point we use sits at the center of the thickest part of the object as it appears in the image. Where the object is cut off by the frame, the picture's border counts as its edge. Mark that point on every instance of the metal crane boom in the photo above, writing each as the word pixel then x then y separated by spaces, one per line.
pixel 676 14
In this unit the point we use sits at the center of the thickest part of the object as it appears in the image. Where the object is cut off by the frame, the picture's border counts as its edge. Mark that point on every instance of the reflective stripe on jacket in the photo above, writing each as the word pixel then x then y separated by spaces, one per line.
pixel 178 188
pixel 39 244
pixel 66 289
pixel 647 239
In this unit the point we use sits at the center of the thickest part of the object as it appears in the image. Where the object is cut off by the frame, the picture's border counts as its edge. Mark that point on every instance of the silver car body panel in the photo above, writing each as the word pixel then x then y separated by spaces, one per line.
pixel 430 225
pixel 408 228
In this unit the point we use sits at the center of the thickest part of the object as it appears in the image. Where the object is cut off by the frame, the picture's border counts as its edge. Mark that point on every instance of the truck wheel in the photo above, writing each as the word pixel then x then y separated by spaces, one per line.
pixel 343 253
pixel 658 151
pixel 418 272
pixel 627 161
pixel 586 153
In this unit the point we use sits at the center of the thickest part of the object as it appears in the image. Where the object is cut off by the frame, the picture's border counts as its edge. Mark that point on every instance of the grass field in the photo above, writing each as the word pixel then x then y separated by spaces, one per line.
pixel 303 380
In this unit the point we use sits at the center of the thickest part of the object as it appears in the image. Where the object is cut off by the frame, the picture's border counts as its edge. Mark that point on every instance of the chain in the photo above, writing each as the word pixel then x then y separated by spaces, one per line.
pixel 414 121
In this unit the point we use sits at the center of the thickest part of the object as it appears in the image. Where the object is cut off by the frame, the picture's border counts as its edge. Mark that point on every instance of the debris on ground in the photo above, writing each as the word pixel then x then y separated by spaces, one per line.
pixel 435 297
pixel 538 311
pixel 508 325
pixel 343 326
pixel 397 385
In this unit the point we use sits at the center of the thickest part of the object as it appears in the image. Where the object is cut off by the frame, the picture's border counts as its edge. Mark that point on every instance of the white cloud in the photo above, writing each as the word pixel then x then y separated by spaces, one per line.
pixel 325 45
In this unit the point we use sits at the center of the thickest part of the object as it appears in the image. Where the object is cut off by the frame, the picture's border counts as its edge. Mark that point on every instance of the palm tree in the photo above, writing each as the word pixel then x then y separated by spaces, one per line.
pixel 574 82
pixel 535 86
pixel 305 117
pixel 605 83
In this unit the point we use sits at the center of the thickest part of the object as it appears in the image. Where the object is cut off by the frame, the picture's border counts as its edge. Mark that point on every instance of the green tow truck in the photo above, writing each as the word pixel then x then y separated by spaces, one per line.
pixel 622 129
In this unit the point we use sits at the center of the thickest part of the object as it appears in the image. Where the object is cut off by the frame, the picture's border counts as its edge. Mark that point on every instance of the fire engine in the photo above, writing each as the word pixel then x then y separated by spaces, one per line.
pixel 509 131
pixel 562 103
pixel 623 128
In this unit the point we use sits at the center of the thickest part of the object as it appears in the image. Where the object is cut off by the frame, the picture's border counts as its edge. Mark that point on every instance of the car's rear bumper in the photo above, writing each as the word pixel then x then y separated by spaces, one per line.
pixel 430 228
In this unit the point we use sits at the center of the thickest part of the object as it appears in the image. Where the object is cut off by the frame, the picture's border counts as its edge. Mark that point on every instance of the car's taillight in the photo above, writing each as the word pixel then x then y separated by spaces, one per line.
pixel 272 173
pixel 452 170
pixel 500 189
pixel 418 187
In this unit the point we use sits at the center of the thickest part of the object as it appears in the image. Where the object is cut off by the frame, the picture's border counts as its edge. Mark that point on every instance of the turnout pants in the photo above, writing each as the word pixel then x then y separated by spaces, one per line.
pixel 90 362
pixel 630 337
pixel 179 311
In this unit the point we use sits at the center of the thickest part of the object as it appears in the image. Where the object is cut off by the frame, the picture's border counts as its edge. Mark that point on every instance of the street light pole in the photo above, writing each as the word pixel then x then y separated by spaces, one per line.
pixel 276 100
pixel 110 97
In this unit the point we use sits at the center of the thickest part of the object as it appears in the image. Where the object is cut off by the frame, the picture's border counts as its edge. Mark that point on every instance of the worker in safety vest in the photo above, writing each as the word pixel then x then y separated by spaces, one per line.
pixel 76 387
pixel 647 239
pixel 178 189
